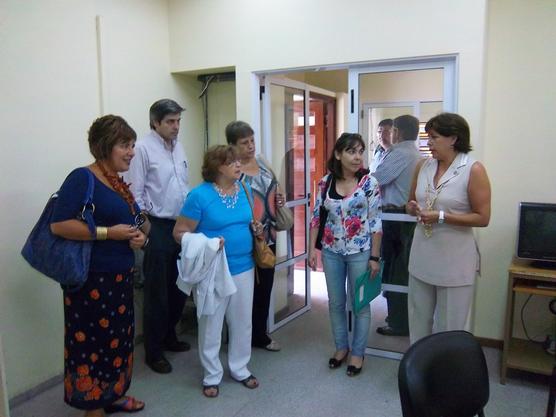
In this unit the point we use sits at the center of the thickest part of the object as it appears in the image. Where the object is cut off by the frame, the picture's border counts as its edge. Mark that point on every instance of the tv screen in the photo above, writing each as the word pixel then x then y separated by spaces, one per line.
pixel 536 239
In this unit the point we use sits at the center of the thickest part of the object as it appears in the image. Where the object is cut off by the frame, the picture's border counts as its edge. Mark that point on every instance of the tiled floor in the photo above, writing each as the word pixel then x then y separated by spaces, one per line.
pixel 295 382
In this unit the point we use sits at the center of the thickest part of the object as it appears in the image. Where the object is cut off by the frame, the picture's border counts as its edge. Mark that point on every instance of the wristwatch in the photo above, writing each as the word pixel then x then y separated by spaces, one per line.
pixel 374 258
pixel 441 217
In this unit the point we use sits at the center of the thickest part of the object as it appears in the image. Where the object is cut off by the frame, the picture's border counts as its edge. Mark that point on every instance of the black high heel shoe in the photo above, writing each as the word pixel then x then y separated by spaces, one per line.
pixel 334 363
pixel 353 370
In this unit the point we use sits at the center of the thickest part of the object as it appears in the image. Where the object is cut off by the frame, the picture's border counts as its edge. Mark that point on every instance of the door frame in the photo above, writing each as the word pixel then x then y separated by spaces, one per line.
pixel 448 62
pixel 266 143
pixel 449 66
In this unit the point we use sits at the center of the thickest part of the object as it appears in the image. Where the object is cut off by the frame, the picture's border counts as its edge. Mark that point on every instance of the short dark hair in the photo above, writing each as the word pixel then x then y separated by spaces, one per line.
pixel 215 157
pixel 106 132
pixel 386 122
pixel 161 109
pixel 408 127
pixel 237 130
pixel 345 141
pixel 452 124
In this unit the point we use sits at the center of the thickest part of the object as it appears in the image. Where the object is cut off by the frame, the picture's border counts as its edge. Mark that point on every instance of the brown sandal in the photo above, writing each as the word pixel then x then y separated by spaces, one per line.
pixel 128 405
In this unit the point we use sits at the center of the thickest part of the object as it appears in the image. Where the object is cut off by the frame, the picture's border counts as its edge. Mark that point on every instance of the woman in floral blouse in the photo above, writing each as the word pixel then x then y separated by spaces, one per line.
pixel 350 243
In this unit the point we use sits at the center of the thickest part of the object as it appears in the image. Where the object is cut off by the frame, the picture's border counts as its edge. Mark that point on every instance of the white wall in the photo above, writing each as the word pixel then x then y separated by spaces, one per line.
pixel 423 85
pixel 288 40
pixel 221 110
pixel 332 80
pixel 49 84
pixel 49 97
pixel 519 142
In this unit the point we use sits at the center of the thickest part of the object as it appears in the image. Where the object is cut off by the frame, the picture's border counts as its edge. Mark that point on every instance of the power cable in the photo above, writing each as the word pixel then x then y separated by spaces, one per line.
pixel 523 321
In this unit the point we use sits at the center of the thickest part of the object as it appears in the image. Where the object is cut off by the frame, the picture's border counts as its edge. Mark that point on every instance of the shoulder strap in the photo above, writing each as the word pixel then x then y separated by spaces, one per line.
pixel 90 187
pixel 88 206
pixel 266 165
pixel 248 198
pixel 328 182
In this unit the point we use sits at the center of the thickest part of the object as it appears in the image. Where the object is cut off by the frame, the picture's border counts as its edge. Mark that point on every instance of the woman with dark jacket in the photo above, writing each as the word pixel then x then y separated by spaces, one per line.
pixel 99 320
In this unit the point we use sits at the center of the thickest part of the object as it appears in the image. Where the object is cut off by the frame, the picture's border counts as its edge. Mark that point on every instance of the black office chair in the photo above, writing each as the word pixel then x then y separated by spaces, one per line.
pixel 444 375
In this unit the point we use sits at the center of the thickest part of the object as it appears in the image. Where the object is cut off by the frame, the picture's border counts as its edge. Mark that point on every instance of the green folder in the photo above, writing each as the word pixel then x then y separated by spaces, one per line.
pixel 366 289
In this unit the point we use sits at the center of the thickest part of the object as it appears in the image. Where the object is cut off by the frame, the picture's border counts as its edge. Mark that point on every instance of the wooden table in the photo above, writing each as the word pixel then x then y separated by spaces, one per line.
pixel 519 353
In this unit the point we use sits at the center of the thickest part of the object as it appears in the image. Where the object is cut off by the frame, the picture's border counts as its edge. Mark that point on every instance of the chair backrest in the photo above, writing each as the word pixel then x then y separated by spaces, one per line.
pixel 444 375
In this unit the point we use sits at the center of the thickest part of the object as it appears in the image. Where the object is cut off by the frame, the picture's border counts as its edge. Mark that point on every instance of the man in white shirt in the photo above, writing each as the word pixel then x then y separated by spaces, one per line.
pixel 394 174
pixel 384 134
pixel 160 183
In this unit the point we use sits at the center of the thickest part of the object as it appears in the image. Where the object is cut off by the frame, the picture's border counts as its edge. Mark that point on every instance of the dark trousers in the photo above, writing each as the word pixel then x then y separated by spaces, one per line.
pixel 261 304
pixel 164 302
pixel 396 246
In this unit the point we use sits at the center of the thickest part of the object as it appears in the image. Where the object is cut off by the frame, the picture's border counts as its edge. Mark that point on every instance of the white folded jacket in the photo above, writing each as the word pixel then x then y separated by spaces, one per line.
pixel 203 269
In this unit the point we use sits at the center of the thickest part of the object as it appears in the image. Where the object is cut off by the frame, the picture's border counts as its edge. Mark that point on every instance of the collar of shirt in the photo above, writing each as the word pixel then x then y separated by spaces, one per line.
pixel 167 145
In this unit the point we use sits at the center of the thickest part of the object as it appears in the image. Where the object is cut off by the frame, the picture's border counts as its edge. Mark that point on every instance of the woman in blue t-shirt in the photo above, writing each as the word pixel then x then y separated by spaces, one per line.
pixel 219 207
pixel 99 320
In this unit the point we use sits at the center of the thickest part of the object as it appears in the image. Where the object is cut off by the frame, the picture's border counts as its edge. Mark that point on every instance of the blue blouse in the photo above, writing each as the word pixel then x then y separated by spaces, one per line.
pixel 203 204
pixel 110 209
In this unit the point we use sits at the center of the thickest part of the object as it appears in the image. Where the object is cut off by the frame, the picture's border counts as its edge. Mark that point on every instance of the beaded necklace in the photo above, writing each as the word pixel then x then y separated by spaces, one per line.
pixel 430 199
pixel 120 186
pixel 229 200
pixel 431 195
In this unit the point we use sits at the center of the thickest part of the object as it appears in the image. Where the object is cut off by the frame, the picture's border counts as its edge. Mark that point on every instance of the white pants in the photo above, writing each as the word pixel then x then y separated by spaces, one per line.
pixel 446 308
pixel 237 309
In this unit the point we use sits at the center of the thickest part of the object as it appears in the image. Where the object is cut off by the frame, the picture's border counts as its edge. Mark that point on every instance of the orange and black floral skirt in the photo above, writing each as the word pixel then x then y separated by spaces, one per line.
pixel 98 348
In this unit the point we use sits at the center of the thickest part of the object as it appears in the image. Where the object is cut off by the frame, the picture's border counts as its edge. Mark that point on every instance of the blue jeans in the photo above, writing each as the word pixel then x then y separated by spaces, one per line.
pixel 336 268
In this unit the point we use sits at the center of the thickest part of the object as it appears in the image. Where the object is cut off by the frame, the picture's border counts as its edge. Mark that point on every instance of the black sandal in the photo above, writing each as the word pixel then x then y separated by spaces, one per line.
pixel 250 382
pixel 208 394
pixel 334 363
pixel 353 370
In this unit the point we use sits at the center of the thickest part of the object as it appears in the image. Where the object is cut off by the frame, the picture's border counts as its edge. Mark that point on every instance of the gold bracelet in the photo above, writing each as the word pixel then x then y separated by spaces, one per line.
pixel 102 233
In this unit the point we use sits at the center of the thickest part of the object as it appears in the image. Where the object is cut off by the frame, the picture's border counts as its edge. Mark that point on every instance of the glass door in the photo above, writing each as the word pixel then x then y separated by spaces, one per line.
pixel 285 139
pixel 421 88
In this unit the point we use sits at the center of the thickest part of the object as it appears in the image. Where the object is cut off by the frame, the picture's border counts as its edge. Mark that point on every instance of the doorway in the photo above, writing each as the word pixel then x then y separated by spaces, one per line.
pixel 359 114
pixel 298 129
pixel 322 122
pixel 376 94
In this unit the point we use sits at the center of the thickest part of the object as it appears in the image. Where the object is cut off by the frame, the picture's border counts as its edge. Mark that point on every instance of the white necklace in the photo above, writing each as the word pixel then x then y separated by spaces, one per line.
pixel 229 200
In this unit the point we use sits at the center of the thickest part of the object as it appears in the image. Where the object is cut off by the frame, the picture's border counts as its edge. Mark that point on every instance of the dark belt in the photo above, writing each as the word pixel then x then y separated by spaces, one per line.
pixel 160 220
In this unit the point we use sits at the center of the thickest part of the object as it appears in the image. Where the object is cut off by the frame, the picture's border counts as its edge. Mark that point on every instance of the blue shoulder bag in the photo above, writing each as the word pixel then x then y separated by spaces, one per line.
pixel 65 261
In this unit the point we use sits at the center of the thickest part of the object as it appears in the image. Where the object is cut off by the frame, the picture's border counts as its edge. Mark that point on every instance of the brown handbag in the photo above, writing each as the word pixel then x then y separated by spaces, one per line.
pixel 263 255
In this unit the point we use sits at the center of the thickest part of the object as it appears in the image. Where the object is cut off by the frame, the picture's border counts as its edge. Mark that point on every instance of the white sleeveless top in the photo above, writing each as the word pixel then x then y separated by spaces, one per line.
pixel 449 257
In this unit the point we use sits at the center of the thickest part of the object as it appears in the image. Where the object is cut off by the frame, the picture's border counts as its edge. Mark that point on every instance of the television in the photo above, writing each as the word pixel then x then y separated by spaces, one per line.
pixel 536 235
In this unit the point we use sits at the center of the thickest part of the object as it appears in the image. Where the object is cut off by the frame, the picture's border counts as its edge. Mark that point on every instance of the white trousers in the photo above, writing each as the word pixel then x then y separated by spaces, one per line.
pixel 431 306
pixel 237 309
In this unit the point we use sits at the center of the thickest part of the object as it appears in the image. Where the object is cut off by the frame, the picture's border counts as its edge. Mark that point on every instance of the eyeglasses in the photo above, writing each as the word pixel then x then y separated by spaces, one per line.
pixel 234 162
